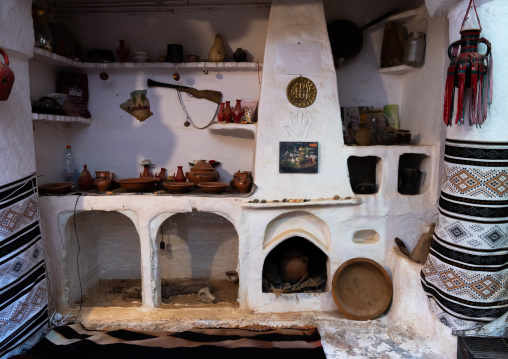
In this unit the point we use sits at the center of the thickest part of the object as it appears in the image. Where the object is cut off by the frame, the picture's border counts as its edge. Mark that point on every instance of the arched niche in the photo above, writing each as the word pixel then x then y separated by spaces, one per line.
pixel 101 259
pixel 195 250
pixel 301 224
pixel 295 265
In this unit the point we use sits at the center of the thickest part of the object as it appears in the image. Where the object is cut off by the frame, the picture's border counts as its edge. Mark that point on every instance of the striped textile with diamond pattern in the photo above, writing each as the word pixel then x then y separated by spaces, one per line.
pixel 466 274
pixel 23 294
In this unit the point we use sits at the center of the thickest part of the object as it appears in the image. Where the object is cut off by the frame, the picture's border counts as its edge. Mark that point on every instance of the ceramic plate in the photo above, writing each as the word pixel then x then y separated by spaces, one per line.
pixel 143 184
pixel 213 187
pixel 56 188
pixel 178 187
pixel 362 289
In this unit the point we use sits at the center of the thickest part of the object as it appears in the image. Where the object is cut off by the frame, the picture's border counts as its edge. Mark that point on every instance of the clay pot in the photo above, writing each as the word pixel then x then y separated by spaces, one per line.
pixel 240 55
pixel 85 180
pixel 243 182
pixel 6 78
pixel 202 172
pixel 217 52
pixel 363 137
pixel 236 175
pixel 294 266
pixel 103 180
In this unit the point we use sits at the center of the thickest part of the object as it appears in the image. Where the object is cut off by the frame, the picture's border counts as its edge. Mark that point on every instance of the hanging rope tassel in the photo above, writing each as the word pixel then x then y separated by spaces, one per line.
pixel 471 73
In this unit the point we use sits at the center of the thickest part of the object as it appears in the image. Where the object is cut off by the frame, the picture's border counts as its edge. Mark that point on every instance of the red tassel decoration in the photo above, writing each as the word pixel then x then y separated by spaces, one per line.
pixel 471 73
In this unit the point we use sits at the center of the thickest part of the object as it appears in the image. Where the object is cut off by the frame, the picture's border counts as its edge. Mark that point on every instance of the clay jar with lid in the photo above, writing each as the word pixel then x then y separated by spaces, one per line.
pixel 202 172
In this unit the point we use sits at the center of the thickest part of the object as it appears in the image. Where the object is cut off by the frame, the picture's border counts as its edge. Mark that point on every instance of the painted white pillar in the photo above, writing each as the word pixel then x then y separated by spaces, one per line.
pixel 17 158
pixel 301 26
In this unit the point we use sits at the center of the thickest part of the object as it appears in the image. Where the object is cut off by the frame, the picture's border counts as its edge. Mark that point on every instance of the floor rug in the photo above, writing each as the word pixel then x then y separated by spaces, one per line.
pixel 73 341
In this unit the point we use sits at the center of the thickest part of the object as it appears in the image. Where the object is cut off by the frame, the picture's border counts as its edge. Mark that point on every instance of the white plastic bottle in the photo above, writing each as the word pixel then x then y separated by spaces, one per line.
pixel 69 165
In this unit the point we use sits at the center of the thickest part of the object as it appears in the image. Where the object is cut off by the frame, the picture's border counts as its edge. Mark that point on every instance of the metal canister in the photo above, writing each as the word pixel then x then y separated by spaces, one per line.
pixel 414 49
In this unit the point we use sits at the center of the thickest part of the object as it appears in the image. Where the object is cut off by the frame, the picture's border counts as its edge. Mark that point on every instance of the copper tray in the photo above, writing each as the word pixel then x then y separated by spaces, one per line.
pixel 56 188
pixel 143 184
pixel 362 289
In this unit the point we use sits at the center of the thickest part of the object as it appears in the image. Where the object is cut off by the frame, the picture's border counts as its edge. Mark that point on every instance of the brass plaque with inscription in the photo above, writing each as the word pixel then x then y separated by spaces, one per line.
pixel 301 92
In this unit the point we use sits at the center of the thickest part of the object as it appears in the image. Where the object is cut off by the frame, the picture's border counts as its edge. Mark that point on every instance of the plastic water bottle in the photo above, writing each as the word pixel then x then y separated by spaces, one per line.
pixel 69 165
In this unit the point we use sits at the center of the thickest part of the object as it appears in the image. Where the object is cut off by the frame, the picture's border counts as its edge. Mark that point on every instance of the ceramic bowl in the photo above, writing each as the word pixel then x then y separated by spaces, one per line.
pixel 141 56
pixel 213 187
pixel 362 289
pixel 178 187
pixel 56 188
pixel 143 184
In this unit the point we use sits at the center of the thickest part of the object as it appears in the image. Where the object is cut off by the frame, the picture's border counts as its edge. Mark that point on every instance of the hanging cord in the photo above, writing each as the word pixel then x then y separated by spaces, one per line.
pixel 188 120
pixel 77 259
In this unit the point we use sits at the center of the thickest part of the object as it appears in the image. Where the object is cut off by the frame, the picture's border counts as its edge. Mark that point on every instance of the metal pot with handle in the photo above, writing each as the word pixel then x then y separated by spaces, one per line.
pixel 346 39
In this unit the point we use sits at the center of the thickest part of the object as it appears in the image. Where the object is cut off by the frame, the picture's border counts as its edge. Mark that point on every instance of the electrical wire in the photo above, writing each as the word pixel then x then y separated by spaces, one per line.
pixel 77 260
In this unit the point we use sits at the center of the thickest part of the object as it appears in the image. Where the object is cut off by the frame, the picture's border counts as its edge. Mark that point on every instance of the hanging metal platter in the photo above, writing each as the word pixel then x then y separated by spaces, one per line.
pixel 301 92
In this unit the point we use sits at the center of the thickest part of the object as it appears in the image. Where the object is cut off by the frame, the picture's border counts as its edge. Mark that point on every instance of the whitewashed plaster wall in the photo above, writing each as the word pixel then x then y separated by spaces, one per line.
pixel 16 136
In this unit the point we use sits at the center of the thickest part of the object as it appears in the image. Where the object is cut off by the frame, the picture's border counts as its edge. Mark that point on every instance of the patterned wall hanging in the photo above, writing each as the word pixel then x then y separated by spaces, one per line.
pixel 23 293
pixel 466 273
pixel 471 73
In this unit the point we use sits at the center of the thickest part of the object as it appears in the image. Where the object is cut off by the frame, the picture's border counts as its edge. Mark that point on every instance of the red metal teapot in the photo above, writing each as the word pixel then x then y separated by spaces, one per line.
pixel 6 78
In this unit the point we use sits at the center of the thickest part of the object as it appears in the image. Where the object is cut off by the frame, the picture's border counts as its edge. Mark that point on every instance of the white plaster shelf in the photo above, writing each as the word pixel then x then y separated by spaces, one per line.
pixel 60 118
pixel 396 70
pixel 233 129
pixel 313 202
pixel 49 58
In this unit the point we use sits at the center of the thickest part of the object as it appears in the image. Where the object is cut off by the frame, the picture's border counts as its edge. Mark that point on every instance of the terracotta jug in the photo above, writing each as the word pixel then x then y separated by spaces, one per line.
pixel 220 112
pixel 228 113
pixel 123 51
pixel 103 180
pixel 146 172
pixel 179 177
pixel 237 111
pixel 294 266
pixel 6 78
pixel 85 180
pixel 162 174
pixel 235 178
pixel 243 182
pixel 217 52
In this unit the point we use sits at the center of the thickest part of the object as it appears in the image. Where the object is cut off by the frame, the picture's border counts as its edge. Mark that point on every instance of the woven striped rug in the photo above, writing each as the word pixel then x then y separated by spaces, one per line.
pixel 23 293
pixel 466 273
pixel 73 341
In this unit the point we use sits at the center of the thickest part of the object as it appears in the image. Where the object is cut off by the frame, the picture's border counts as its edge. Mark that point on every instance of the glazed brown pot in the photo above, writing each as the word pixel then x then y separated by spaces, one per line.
pixel 243 182
pixel 294 266
pixel 103 180
pixel 202 172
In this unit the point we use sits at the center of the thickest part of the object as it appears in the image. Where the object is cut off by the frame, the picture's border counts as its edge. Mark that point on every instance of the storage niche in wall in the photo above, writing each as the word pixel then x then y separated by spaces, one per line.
pixel 365 174
pixel 102 260
pixel 295 266
pixel 198 250
pixel 413 171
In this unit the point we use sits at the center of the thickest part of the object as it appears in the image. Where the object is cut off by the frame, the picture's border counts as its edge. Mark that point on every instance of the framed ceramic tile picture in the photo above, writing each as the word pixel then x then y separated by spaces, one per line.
pixel 298 157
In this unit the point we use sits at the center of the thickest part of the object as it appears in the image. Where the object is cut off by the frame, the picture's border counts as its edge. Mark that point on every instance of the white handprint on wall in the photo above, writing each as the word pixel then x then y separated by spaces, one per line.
pixel 299 125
